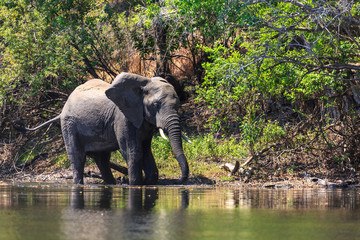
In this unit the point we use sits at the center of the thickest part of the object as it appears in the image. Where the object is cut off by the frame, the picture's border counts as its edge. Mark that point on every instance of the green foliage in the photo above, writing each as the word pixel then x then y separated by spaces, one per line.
pixel 203 154
pixel 55 44
pixel 259 66
pixel 207 147
pixel 33 58
pixel 256 132
pixel 212 19
pixel 279 56
pixel 154 19
pixel 161 149
pixel 62 161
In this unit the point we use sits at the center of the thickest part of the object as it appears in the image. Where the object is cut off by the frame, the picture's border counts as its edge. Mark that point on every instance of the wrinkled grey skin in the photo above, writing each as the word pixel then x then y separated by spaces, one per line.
pixel 99 118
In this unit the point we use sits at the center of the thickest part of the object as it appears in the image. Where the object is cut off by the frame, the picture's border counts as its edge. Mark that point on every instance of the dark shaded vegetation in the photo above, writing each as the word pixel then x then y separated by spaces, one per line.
pixel 252 75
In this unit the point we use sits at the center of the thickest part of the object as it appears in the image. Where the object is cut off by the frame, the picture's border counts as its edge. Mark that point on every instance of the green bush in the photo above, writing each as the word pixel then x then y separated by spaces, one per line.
pixel 274 59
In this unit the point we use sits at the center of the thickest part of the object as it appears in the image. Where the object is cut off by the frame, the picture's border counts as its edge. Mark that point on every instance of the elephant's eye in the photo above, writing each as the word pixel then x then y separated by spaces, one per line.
pixel 157 104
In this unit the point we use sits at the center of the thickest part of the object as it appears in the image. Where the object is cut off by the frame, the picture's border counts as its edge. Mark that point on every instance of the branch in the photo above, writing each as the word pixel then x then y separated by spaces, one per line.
pixel 89 66
pixel 320 10
pixel 259 154
pixel 119 168
pixel 181 56
pixel 315 67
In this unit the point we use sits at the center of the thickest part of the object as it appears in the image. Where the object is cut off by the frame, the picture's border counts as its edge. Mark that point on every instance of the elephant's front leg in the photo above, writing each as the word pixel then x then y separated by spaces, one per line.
pixel 134 163
pixel 130 146
pixel 149 165
pixel 131 149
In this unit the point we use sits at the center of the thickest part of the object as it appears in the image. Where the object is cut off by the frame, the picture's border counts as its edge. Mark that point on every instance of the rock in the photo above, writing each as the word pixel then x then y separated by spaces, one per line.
pixel 249 172
pixel 233 168
pixel 351 181
pixel 285 186
pixel 332 185
pixel 322 182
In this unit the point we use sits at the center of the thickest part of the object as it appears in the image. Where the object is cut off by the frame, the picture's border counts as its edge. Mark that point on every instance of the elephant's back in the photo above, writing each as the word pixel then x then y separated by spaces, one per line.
pixel 88 98
pixel 94 88
pixel 93 85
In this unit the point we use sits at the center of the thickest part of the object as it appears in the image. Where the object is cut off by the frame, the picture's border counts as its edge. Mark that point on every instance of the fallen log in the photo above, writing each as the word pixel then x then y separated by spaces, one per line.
pixel 119 168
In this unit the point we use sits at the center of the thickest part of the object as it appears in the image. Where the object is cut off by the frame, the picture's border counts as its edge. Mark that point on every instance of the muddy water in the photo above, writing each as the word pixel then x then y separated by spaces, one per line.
pixel 36 211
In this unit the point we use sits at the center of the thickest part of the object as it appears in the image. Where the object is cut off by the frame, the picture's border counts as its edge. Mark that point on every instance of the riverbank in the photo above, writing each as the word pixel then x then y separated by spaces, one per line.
pixel 301 158
pixel 92 177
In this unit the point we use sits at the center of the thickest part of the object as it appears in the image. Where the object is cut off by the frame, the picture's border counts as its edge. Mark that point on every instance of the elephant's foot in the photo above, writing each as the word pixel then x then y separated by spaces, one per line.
pixel 152 179
pixel 109 180
pixel 78 176
pixel 135 181
pixel 123 180
pixel 78 180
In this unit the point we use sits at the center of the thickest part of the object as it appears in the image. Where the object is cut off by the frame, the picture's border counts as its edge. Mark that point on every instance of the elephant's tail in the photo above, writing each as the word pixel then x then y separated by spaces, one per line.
pixel 18 125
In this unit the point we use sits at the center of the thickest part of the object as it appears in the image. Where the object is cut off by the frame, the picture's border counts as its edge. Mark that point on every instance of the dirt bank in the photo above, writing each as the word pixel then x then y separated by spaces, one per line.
pixel 92 177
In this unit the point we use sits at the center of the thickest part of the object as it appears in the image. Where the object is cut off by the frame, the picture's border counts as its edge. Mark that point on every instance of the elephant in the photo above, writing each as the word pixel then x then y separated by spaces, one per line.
pixel 99 118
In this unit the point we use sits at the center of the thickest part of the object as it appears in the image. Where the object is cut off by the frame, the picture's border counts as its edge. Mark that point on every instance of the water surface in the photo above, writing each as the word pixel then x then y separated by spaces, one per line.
pixel 38 211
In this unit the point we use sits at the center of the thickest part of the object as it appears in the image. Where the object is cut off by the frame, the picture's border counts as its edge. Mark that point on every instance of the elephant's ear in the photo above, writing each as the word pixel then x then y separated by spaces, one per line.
pixel 126 92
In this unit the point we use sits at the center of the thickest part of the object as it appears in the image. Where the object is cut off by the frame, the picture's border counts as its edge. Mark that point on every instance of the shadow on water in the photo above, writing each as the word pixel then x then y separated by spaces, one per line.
pixel 107 212
pixel 99 212
pixel 138 199
pixel 191 181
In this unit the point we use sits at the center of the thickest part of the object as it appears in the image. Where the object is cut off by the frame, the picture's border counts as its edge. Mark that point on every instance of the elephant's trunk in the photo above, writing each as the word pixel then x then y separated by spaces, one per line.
pixel 172 126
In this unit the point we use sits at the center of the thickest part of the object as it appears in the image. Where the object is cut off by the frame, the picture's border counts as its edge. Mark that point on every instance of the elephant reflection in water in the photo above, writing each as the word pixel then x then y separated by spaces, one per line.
pixel 102 219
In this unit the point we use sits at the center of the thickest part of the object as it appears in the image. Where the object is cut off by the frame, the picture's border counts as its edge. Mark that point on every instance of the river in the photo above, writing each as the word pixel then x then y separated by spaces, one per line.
pixel 52 211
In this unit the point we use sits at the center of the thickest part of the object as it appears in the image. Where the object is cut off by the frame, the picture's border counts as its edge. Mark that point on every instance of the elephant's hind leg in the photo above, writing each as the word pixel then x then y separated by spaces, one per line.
pixel 102 160
pixel 77 161
pixel 76 156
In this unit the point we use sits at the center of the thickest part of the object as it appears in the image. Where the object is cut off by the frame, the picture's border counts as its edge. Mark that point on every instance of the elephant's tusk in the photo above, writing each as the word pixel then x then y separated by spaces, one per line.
pixel 185 138
pixel 162 134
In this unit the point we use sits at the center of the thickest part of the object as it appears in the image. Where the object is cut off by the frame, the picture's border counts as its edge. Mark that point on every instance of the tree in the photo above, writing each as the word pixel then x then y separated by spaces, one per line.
pixel 56 44
pixel 298 59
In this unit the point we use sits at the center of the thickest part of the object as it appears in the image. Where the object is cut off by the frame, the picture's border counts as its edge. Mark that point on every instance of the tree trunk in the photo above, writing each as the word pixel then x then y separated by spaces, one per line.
pixel 161 51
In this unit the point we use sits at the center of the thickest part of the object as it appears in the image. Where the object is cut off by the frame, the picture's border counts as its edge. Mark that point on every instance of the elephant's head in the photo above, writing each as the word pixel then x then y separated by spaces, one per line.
pixel 153 100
